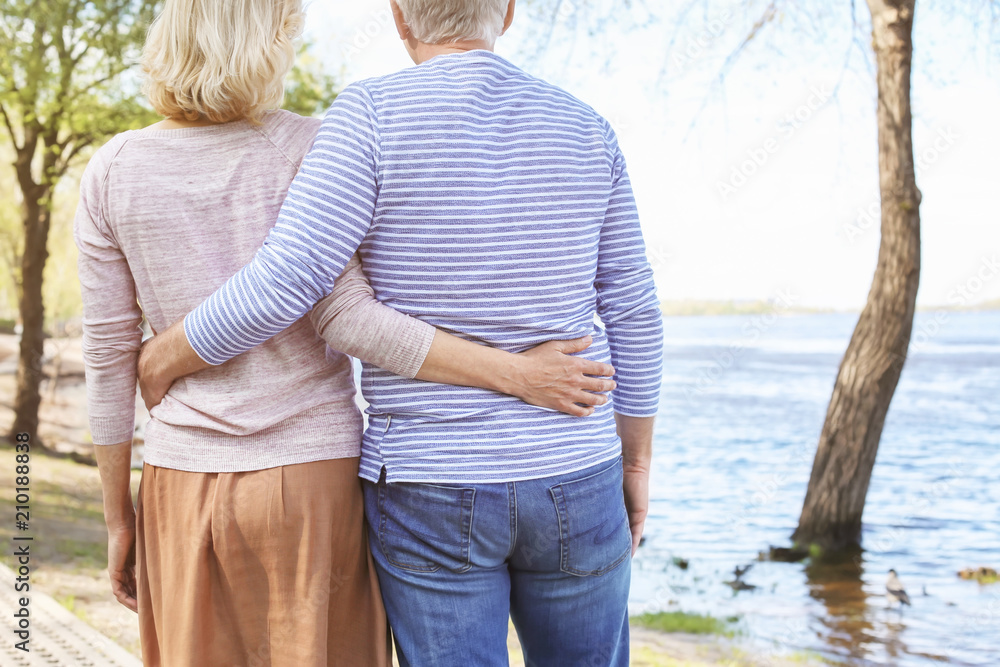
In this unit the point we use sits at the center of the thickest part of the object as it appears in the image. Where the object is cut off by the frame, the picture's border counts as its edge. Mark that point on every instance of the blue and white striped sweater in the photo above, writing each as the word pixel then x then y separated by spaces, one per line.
pixel 491 205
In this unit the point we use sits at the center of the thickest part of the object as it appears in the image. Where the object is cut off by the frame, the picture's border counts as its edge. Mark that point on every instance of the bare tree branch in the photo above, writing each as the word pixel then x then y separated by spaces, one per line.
pixel 765 19
pixel 10 127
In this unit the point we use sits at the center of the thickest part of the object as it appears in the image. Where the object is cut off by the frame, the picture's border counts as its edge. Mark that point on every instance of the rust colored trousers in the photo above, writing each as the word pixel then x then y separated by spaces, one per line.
pixel 256 569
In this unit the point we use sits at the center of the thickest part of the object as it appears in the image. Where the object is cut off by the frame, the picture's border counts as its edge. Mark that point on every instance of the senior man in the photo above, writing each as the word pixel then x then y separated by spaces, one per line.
pixel 496 206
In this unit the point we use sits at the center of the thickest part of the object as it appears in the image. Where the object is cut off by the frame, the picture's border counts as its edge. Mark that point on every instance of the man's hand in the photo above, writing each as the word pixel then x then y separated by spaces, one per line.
pixel 637 457
pixel 163 359
pixel 121 565
pixel 636 501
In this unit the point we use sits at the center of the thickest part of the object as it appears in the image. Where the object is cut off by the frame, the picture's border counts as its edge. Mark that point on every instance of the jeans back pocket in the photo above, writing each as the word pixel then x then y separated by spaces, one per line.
pixel 594 534
pixel 424 527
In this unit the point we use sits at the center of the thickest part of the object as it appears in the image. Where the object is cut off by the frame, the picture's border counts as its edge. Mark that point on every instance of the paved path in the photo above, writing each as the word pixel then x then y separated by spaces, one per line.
pixel 58 638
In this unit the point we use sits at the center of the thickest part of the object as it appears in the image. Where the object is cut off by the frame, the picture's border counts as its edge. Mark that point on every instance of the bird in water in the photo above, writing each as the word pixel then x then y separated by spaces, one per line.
pixel 894 590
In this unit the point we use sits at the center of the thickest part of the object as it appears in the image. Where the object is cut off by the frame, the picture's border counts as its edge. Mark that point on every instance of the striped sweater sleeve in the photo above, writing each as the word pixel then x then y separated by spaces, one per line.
pixel 325 216
pixel 627 303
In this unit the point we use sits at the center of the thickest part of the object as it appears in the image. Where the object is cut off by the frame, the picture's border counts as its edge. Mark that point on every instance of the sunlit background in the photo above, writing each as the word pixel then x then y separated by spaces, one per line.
pixel 803 218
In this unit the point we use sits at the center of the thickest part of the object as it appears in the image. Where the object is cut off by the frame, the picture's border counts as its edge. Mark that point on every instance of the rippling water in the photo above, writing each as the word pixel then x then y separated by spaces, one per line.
pixel 743 404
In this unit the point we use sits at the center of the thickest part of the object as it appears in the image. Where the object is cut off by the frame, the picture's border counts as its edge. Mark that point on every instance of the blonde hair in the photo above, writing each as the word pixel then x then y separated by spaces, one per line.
pixel 443 21
pixel 222 60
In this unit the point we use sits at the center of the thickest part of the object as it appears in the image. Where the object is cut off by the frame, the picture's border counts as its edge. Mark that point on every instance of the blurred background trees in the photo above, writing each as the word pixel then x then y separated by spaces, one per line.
pixel 63 90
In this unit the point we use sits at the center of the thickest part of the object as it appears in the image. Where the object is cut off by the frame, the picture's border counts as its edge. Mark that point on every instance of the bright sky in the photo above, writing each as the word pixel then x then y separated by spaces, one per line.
pixel 761 184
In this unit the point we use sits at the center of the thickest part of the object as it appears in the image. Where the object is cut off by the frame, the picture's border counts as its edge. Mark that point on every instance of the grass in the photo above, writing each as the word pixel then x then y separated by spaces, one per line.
pixel 680 621
pixel 70 547
pixel 67 518
pixel 982 576
pixel 644 657
pixel 69 602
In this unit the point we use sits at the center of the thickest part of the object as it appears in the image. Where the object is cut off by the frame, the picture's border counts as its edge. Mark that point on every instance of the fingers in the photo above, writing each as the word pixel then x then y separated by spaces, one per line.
pixel 123 588
pixel 574 345
pixel 597 385
pixel 150 396
pixel 636 527
pixel 127 600
pixel 573 409
pixel 588 367
pixel 587 398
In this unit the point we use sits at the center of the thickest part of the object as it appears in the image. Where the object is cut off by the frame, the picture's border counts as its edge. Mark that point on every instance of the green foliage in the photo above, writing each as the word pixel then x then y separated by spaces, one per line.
pixel 679 621
pixel 309 90
pixel 67 84
pixel 64 81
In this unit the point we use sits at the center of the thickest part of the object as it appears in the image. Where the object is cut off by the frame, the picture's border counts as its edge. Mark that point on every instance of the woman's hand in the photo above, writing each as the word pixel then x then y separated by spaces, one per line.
pixel 546 375
pixel 152 386
pixel 115 465
pixel 121 564
pixel 549 377
pixel 163 359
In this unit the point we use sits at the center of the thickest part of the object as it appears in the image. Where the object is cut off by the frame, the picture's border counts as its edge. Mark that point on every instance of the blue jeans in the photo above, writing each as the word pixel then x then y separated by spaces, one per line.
pixel 553 554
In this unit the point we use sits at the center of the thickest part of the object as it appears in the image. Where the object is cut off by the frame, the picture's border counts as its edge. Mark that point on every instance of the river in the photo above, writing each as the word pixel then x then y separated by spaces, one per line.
pixel 743 403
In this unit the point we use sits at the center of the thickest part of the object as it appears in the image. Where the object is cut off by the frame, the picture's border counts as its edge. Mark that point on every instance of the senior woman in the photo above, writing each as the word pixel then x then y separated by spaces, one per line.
pixel 247 546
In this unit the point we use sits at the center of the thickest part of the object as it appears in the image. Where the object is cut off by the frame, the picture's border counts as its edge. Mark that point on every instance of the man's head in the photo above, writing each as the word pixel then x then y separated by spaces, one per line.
pixel 470 23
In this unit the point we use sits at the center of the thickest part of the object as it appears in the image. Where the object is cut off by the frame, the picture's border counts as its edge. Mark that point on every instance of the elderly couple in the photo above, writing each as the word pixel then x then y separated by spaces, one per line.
pixel 456 226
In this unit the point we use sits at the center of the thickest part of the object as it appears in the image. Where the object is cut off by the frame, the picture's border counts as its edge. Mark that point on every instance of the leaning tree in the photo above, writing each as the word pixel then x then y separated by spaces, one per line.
pixel 870 369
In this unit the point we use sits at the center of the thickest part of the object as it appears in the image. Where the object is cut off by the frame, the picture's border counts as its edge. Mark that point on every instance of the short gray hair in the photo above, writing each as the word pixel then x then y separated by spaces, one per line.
pixel 443 21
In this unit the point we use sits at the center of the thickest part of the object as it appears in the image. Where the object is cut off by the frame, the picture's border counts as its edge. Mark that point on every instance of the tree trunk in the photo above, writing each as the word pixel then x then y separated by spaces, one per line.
pixel 869 372
pixel 37 217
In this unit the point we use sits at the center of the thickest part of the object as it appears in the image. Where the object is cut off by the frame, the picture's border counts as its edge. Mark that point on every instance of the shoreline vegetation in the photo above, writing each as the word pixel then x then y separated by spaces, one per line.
pixel 695 308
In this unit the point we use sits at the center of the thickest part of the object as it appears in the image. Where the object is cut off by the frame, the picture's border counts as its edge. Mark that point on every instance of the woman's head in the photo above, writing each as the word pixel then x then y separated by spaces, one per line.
pixel 221 60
